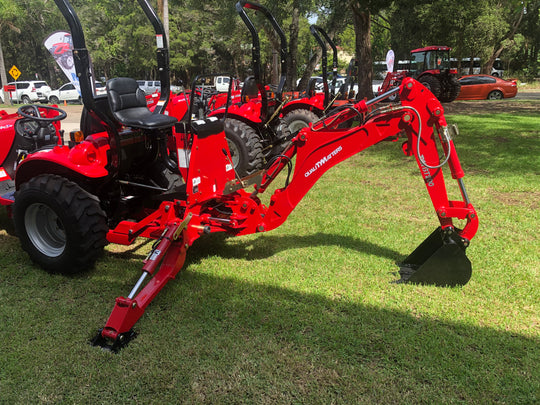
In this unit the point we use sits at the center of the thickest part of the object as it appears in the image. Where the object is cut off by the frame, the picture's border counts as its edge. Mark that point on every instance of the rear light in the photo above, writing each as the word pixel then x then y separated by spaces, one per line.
pixel 33 89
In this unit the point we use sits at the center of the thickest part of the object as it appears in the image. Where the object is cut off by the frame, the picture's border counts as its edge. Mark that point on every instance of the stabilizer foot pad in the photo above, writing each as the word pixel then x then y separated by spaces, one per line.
pixel 115 345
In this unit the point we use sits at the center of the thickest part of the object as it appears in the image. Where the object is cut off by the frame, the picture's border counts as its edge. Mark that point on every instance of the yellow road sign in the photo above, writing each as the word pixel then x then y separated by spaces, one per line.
pixel 14 72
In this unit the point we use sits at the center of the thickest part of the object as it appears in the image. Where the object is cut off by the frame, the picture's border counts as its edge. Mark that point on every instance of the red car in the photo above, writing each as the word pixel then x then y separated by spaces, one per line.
pixel 481 87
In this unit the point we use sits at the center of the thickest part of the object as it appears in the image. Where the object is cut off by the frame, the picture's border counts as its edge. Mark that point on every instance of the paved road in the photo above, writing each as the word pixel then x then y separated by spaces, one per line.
pixel 528 94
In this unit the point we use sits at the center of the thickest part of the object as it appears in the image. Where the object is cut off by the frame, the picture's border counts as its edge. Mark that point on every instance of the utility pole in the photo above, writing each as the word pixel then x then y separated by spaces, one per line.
pixel 163 11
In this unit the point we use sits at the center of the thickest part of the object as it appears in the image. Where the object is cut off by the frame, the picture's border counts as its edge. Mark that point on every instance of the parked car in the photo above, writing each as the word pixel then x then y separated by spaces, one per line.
pixel 152 86
pixel 30 91
pixel 100 89
pixel 481 87
pixel 68 92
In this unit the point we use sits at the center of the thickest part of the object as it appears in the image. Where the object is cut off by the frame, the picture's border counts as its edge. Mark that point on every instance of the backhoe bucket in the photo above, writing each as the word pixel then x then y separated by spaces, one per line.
pixel 439 260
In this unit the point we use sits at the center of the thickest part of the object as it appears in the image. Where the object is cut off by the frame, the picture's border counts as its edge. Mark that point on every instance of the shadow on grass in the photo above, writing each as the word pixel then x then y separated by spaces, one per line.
pixel 266 245
pixel 408 354
pixel 233 341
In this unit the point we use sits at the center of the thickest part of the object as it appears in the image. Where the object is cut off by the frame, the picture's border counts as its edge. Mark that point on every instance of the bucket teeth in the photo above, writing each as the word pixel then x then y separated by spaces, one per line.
pixel 439 260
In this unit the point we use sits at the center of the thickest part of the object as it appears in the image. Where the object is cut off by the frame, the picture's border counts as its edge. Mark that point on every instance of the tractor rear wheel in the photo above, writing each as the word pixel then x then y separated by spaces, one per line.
pixel 61 226
pixel 432 84
pixel 299 118
pixel 450 90
pixel 245 147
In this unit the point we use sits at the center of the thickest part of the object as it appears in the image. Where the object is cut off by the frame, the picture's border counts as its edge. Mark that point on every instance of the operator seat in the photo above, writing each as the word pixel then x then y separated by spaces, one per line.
pixel 128 106
pixel 250 90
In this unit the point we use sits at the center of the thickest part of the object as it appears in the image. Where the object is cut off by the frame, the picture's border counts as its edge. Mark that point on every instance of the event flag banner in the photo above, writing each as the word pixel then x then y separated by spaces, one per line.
pixel 390 60
pixel 60 45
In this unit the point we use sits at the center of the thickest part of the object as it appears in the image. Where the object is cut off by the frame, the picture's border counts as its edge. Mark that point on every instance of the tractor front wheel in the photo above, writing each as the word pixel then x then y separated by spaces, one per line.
pixel 61 226
pixel 245 147
pixel 298 119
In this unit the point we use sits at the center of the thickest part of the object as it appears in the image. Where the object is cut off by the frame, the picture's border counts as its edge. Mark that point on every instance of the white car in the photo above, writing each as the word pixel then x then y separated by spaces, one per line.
pixel 68 93
pixel 100 89
pixel 30 91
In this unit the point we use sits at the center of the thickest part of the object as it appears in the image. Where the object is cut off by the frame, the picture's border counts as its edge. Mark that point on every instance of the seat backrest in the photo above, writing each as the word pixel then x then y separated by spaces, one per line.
pixel 310 91
pixel 125 93
pixel 249 89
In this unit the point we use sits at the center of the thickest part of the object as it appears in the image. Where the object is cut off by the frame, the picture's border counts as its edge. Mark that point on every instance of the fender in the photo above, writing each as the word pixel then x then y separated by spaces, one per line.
pixel 315 104
pixel 87 159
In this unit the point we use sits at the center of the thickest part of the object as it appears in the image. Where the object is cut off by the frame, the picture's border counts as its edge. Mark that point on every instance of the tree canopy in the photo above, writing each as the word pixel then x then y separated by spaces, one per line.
pixel 209 37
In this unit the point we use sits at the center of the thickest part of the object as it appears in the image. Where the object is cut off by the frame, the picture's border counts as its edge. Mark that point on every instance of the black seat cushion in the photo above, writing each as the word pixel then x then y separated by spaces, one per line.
pixel 128 106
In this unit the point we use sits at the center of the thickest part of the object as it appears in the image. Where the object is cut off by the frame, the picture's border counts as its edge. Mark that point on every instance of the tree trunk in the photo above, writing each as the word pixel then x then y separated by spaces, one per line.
pixel 292 61
pixel 3 76
pixel 488 66
pixel 362 30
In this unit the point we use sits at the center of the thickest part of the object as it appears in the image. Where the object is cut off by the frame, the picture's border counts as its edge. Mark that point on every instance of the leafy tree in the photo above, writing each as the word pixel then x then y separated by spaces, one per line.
pixel 8 11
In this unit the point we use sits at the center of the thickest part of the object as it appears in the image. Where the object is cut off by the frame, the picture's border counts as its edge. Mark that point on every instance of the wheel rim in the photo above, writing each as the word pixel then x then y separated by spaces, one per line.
pixel 297 125
pixel 235 153
pixel 45 230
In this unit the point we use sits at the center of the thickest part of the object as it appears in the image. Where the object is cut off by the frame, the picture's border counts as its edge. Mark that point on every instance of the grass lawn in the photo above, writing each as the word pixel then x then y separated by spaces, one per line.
pixel 307 313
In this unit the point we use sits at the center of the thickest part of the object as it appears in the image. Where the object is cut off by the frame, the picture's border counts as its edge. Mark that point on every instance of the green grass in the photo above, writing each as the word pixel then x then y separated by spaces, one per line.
pixel 307 313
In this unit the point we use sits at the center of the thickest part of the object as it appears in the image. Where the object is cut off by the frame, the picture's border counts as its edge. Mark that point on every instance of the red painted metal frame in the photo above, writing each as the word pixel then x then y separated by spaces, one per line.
pixel 214 205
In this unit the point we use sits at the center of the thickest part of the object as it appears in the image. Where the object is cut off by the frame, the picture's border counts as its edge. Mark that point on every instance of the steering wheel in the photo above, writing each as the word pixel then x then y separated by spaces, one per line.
pixel 32 111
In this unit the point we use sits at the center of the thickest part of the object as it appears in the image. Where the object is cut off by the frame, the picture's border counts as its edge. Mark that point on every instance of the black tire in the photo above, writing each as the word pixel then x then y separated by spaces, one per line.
pixel 25 100
pixel 495 95
pixel 394 97
pixel 61 226
pixel 451 89
pixel 432 84
pixel 245 147
pixel 54 100
pixel 299 118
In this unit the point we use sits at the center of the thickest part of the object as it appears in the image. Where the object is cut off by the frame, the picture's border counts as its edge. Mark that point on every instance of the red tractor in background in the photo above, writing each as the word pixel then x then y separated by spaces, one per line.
pixel 111 186
pixel 32 129
pixel 431 67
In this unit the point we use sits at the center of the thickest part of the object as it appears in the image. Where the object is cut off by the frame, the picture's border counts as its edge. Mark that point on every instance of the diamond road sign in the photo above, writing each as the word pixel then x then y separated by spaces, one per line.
pixel 14 72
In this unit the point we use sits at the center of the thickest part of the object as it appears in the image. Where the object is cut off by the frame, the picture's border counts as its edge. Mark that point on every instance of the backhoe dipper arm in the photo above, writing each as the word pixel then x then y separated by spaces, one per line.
pixel 319 148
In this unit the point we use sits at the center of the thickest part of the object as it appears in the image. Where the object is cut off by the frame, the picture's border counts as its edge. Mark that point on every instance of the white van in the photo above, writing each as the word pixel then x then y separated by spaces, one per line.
pixel 221 83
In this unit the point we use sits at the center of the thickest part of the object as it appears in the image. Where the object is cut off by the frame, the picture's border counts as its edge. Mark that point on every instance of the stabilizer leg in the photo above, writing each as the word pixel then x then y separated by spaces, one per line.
pixel 171 253
pixel 439 260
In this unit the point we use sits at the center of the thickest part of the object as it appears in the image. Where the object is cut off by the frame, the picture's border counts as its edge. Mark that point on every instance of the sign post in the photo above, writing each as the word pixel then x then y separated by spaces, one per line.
pixel 15 73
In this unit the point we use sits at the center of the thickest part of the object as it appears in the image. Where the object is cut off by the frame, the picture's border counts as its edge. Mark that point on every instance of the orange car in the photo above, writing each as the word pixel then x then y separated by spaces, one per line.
pixel 481 87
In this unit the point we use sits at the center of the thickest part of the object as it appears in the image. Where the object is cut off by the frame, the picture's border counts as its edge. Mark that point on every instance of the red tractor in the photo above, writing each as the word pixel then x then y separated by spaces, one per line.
pixel 117 185
pixel 431 67
pixel 297 110
pixel 33 129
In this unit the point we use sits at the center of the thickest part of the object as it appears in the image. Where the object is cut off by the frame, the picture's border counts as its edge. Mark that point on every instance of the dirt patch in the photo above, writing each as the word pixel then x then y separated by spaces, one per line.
pixel 520 199
pixel 491 107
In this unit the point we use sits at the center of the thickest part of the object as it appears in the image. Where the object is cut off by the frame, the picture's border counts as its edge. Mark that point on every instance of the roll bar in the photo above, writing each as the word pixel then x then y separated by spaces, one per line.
pixel 256 51
pixel 315 31
pixel 82 59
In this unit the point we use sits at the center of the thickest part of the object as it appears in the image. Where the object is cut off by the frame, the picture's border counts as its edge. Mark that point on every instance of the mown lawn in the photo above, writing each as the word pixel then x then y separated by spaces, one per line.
pixel 307 313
